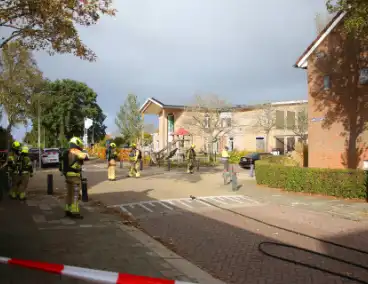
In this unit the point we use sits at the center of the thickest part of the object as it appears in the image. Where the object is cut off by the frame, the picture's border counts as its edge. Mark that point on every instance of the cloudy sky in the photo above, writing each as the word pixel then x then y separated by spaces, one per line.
pixel 173 49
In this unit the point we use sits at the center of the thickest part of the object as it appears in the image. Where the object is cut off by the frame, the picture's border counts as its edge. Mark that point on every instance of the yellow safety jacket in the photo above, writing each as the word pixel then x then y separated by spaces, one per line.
pixel 225 154
pixel 13 162
pixel 75 162
pixel 134 155
pixel 191 154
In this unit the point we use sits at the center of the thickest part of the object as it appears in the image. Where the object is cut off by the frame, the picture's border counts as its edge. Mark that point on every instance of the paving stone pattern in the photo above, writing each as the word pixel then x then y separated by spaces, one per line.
pixel 176 206
pixel 37 230
pixel 226 245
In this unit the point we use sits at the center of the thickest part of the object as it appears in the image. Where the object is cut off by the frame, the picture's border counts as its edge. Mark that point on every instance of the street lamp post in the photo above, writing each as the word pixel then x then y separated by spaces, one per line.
pixel 39 133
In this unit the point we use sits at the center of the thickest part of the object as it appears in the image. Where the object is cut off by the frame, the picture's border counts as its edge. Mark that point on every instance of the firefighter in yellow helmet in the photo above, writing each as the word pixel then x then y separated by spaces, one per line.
pixel 13 168
pixel 72 161
pixel 112 156
pixel 191 156
pixel 25 172
pixel 135 158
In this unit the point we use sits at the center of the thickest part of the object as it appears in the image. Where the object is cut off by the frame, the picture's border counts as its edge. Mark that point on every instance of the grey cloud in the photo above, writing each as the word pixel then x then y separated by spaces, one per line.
pixel 240 49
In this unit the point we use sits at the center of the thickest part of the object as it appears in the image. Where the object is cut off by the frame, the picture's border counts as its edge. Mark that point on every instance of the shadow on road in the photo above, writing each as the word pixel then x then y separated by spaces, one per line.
pixel 226 244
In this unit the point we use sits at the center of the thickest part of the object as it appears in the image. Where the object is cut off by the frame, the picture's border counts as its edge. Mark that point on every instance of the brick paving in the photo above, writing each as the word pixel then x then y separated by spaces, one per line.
pixel 37 230
pixel 226 244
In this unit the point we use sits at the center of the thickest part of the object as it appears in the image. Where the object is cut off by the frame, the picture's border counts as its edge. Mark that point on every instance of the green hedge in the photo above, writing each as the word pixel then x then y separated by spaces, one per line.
pixel 333 182
pixel 236 155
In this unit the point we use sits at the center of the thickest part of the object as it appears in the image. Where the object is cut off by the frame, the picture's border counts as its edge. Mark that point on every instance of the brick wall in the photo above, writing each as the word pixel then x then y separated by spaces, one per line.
pixel 337 104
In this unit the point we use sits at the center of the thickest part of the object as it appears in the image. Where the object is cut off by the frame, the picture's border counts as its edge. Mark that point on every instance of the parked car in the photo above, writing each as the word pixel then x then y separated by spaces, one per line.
pixel 250 159
pixel 85 151
pixel 50 156
pixel 34 154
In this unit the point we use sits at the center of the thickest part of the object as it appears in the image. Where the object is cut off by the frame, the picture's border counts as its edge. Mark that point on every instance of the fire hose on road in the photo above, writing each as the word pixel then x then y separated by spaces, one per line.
pixel 262 245
pixel 90 275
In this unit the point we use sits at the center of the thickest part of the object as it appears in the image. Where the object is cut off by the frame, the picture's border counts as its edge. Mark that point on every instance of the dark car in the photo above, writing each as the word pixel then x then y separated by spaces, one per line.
pixel 34 154
pixel 250 159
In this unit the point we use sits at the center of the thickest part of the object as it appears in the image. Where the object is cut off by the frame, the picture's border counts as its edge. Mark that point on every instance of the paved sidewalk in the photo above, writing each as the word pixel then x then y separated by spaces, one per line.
pixel 356 210
pixel 37 230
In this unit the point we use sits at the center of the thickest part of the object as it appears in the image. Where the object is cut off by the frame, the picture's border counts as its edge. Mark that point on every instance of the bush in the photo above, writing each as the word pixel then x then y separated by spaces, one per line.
pixel 236 155
pixel 280 160
pixel 334 182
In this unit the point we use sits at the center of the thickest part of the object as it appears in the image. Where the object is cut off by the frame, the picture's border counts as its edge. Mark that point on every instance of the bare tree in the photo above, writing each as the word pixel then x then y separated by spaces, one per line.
pixel 266 120
pixel 321 20
pixel 210 117
pixel 300 129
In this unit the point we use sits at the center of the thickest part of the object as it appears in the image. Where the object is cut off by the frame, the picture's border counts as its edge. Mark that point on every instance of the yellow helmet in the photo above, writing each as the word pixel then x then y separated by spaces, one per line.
pixel 76 142
pixel 25 150
pixel 16 145
pixel 193 146
pixel 133 145
pixel 113 145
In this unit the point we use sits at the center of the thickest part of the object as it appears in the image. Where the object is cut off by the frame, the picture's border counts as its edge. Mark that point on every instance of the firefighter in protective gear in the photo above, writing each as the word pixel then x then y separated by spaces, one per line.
pixel 26 171
pixel 135 157
pixel 72 169
pixel 13 168
pixel 112 156
pixel 191 156
pixel 225 158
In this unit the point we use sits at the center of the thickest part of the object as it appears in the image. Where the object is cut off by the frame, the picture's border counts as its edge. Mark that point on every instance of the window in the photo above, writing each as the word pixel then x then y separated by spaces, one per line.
pixel 206 121
pixel 280 119
pixel 226 122
pixel 290 144
pixel 231 143
pixel 363 77
pixel 290 120
pixel 326 83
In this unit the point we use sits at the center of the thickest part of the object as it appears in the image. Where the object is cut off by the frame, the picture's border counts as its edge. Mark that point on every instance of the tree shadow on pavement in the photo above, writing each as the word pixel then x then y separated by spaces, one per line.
pixel 227 243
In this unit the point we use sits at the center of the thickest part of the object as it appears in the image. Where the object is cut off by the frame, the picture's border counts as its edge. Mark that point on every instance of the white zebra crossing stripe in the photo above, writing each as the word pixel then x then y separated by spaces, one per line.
pixel 145 207
pixel 156 206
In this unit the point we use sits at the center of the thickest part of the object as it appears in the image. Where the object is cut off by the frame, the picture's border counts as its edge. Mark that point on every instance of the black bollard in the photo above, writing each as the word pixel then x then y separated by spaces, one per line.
pixel 198 165
pixel 50 184
pixel 234 180
pixel 168 164
pixel 141 165
pixel 84 190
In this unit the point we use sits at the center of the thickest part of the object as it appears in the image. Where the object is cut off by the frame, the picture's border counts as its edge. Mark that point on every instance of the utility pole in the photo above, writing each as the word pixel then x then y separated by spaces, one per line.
pixel 39 133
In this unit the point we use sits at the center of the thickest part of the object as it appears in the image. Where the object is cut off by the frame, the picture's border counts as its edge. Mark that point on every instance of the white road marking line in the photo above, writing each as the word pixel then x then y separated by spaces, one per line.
pixel 181 202
pixel 217 200
pixel 164 205
pixel 131 206
pixel 233 199
pixel 152 204
pixel 39 219
pixel 248 199
pixel 145 207
pixel 122 208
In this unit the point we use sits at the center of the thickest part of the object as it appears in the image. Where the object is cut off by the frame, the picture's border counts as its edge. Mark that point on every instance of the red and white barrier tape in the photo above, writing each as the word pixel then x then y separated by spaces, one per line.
pixel 91 275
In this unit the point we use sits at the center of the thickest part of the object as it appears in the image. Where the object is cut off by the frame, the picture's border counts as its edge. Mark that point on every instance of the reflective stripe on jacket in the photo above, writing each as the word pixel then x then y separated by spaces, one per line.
pixel 75 162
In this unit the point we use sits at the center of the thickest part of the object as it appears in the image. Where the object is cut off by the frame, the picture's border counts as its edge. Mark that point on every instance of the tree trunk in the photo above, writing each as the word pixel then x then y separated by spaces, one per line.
pixel 8 136
pixel 266 142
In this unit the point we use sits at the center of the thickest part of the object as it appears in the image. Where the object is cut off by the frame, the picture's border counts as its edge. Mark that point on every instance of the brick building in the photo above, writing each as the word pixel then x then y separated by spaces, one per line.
pixel 337 72
pixel 243 134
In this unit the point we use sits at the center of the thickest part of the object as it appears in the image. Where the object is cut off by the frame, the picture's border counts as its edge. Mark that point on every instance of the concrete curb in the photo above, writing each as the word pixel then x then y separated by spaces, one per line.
pixel 182 265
